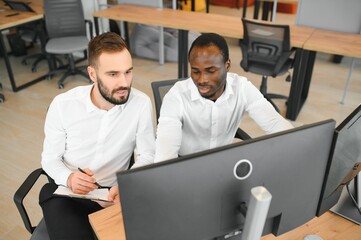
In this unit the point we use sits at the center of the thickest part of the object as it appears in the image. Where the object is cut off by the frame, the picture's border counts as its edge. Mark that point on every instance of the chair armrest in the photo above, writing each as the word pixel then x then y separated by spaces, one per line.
pixel 283 59
pixel 90 26
pixel 240 134
pixel 21 193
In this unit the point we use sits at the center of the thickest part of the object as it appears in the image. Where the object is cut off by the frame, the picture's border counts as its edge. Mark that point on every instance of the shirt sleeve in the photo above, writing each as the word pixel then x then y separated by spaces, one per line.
pixel 145 137
pixel 54 146
pixel 262 111
pixel 169 130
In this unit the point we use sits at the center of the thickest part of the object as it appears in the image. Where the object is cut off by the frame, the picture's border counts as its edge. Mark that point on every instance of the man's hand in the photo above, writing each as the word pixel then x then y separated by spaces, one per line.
pixel 82 183
pixel 114 194
pixel 113 198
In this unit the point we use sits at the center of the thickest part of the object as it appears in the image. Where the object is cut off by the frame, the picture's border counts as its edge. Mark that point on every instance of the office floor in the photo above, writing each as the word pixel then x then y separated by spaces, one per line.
pixel 22 114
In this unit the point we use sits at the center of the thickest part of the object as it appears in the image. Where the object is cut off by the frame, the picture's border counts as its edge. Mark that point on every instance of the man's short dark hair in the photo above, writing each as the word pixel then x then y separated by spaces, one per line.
pixel 209 39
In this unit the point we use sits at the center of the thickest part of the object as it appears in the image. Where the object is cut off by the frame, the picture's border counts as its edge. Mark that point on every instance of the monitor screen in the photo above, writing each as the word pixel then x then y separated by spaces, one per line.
pixel 199 196
pixel 345 161
pixel 19 6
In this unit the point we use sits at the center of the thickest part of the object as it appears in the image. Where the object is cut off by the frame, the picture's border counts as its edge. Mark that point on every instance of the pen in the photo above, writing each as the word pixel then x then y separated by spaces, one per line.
pixel 99 186
pixel 13 14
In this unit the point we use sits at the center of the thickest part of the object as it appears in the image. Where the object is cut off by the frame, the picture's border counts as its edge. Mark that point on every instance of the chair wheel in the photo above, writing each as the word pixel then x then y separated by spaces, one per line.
pixel 33 69
pixel 60 86
pixel 288 78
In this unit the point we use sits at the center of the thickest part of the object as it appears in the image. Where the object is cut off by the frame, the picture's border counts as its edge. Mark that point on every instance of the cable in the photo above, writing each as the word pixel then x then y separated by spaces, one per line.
pixel 353 199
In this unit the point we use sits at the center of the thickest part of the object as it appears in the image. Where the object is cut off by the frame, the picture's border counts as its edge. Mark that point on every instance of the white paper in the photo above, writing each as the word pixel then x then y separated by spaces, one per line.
pixel 97 194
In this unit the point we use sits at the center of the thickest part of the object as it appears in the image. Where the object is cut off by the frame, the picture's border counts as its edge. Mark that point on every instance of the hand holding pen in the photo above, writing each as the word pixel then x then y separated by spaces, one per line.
pixel 82 181
pixel 98 185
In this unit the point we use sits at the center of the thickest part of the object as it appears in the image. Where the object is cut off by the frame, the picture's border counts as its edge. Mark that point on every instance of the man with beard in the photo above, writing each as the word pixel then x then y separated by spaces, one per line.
pixel 90 134
pixel 205 110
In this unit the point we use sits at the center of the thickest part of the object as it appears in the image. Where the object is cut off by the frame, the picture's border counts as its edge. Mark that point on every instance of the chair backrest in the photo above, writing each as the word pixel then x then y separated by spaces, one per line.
pixel 160 89
pixel 64 18
pixel 265 42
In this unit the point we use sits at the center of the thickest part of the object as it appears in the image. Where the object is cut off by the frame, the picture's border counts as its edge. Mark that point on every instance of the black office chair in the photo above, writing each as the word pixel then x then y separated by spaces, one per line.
pixel 160 89
pixel 266 51
pixel 39 231
pixel 66 28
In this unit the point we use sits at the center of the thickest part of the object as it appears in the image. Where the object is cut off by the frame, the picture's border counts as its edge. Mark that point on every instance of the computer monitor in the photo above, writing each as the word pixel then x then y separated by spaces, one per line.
pixel 344 165
pixel 199 196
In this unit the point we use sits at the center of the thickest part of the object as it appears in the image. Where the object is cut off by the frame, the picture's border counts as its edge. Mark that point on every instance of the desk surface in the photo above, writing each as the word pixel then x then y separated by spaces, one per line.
pixel 8 21
pixel 227 26
pixel 108 224
pixel 332 42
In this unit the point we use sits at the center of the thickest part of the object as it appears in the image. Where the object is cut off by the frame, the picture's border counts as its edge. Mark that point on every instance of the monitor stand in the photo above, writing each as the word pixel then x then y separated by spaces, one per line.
pixel 345 207
pixel 259 203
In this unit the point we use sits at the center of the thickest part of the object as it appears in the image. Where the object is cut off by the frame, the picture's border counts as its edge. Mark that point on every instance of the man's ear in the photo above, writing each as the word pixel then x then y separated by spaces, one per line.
pixel 92 74
pixel 228 64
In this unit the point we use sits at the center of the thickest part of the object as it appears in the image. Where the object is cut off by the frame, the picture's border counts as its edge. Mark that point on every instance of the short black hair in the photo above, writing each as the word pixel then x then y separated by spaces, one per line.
pixel 209 39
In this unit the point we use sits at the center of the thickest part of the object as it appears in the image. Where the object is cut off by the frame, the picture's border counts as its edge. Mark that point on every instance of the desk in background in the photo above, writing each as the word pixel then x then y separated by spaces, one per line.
pixel 343 21
pixel 6 22
pixel 108 224
pixel 184 21
pixel 331 42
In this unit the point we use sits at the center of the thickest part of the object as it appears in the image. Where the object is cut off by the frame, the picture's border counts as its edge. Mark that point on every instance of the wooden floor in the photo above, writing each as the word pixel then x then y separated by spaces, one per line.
pixel 22 114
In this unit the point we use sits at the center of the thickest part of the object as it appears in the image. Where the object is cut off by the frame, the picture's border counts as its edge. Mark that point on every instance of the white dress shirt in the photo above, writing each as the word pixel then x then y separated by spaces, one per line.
pixel 190 123
pixel 78 134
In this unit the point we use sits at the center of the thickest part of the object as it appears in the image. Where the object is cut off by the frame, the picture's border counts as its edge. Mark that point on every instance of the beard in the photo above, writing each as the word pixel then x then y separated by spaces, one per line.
pixel 108 94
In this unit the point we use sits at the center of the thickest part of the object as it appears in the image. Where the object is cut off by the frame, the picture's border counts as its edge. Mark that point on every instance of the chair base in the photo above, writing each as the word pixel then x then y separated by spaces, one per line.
pixel 67 73
pixel 269 96
pixel 69 70
pixel 39 57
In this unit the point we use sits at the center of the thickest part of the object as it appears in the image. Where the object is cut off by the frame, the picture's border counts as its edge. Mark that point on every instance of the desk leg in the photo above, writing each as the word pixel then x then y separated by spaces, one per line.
pixel 348 83
pixel 10 71
pixel 182 53
pixel 96 25
pixel 7 62
pixel 308 74
pixel 2 97
pixel 294 99
pixel 301 79
pixel 265 10
pixel 257 5
pixel 244 8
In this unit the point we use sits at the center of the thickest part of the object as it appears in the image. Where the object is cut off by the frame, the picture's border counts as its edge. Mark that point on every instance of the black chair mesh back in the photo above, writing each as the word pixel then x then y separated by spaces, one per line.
pixel 265 42
pixel 64 18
